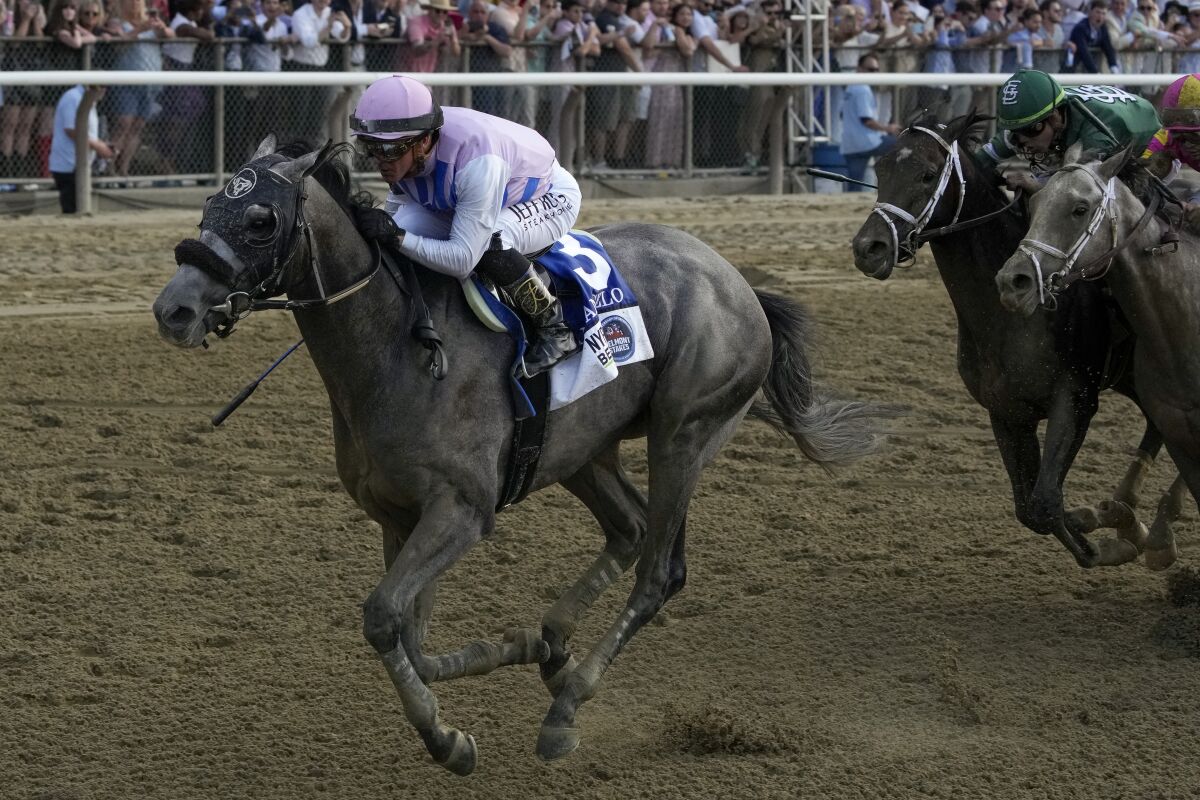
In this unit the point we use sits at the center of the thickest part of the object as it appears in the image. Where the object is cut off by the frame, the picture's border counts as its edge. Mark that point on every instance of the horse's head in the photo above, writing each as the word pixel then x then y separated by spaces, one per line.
pixel 251 232
pixel 1074 224
pixel 921 183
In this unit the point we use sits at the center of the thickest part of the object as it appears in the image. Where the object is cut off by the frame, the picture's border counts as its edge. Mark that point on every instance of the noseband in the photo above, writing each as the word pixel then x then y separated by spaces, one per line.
pixel 912 242
pixel 1050 285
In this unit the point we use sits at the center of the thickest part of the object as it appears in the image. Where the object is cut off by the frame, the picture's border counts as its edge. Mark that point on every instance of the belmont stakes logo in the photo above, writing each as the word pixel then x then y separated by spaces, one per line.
pixel 241 184
pixel 620 338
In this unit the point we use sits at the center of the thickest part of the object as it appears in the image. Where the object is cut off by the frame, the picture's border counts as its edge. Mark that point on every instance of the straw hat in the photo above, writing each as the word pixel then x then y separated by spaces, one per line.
pixel 440 5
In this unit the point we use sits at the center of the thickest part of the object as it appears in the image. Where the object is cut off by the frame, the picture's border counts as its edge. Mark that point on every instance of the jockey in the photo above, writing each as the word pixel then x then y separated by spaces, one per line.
pixel 458 178
pixel 1179 139
pixel 1039 120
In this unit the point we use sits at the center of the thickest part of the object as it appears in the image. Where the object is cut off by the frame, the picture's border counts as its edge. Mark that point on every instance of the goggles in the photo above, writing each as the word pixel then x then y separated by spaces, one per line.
pixel 385 149
pixel 1031 131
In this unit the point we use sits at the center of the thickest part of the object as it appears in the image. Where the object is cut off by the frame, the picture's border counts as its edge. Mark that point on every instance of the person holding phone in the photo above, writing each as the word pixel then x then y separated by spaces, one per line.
pixel 133 105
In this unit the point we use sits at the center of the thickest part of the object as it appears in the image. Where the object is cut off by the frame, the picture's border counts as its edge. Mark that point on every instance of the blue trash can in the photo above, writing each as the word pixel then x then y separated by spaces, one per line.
pixel 829 158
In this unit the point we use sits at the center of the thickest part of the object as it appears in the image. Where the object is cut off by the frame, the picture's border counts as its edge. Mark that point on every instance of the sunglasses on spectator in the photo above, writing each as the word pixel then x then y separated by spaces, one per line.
pixel 385 150
pixel 870 69
pixel 1032 130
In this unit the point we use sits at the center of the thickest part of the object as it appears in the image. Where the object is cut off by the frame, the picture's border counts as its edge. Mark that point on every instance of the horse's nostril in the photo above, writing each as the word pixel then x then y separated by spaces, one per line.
pixel 180 315
pixel 1022 282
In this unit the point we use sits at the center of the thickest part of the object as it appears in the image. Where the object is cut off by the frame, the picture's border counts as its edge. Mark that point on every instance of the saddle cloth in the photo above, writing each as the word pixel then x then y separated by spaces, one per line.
pixel 599 307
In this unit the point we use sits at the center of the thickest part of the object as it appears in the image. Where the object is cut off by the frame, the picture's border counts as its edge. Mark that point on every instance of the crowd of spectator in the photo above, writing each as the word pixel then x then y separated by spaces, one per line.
pixel 168 130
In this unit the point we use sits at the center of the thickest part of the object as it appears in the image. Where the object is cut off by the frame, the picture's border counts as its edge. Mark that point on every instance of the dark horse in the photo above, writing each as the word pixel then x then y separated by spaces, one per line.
pixel 1047 366
pixel 426 459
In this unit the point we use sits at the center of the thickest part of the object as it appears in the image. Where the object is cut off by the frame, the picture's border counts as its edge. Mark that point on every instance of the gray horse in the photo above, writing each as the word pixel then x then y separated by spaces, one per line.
pixel 426 459
pixel 1087 224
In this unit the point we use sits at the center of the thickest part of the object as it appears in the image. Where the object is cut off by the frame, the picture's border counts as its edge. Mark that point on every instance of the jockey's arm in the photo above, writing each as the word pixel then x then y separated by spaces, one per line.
pixel 480 189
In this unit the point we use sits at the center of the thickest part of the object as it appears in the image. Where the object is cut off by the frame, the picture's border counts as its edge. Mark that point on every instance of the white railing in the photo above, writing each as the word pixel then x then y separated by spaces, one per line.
pixel 339 111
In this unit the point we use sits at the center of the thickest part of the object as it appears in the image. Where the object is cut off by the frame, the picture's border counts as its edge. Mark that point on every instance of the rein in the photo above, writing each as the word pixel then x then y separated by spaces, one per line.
pixel 1071 272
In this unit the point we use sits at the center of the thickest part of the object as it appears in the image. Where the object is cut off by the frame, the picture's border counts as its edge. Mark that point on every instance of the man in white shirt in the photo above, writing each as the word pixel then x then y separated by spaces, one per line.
pixel 711 103
pixel 313 26
pixel 62 145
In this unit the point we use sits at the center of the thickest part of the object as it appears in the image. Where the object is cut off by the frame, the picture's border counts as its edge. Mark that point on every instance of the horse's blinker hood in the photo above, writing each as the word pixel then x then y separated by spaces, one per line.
pixel 256 216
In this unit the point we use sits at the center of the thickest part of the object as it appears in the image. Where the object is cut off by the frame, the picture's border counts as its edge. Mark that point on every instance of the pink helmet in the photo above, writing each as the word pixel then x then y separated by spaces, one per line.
pixel 395 107
pixel 1181 104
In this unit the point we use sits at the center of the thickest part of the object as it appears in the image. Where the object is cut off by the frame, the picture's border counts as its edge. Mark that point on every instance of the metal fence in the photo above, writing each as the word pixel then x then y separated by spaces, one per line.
pixel 179 133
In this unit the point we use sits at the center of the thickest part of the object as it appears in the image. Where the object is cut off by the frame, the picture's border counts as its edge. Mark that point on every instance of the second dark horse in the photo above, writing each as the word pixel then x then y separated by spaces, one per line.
pixel 1048 366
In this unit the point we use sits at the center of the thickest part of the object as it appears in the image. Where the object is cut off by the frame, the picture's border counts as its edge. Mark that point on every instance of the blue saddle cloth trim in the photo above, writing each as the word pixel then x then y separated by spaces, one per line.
pixel 581 301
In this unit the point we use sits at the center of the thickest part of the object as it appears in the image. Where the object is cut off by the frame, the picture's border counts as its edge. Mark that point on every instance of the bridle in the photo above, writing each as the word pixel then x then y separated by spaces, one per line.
pixel 1071 271
pixel 918 235
pixel 290 229
pixel 912 241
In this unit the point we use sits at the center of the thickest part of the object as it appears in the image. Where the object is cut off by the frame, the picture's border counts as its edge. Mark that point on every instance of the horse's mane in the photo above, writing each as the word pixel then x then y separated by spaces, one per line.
pixel 333 172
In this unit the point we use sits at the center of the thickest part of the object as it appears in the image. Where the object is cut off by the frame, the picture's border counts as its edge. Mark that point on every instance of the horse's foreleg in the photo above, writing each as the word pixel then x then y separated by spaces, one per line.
pixel 519 646
pixel 446 530
pixel 1160 549
pixel 1020 454
pixel 620 509
pixel 676 458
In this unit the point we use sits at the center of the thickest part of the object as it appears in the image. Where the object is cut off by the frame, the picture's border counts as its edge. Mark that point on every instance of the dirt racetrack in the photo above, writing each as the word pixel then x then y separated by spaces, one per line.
pixel 181 606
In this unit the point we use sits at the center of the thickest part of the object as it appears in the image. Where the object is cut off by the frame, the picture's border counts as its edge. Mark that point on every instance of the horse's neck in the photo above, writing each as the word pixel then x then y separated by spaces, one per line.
pixel 969 260
pixel 1160 295
pixel 356 339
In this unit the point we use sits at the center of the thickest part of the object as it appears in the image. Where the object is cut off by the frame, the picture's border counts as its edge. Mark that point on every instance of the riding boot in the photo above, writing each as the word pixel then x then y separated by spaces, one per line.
pixel 553 340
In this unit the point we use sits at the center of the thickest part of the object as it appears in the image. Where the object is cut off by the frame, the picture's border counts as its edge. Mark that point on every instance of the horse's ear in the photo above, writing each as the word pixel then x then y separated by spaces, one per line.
pixel 970 129
pixel 1114 163
pixel 1074 154
pixel 298 168
pixel 265 149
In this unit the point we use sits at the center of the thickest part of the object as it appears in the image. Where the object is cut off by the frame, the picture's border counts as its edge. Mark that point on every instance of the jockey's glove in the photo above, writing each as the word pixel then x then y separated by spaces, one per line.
pixel 376 225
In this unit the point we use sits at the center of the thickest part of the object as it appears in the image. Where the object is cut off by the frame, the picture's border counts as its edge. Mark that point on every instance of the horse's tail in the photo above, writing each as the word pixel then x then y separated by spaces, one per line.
pixel 830 432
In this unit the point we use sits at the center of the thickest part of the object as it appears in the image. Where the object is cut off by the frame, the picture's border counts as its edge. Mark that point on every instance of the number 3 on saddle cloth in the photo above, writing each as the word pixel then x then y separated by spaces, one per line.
pixel 597 304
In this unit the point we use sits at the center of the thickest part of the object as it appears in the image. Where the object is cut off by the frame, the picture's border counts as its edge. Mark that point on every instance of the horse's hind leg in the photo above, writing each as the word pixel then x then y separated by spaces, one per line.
pixel 620 509
pixel 677 454
pixel 1160 549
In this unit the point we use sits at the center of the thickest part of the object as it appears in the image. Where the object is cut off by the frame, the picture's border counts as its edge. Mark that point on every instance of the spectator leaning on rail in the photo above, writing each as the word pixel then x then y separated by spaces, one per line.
pixel 1092 31
pixel 62 147
pixel 428 37
pixel 1039 121
pixel 863 135
pixel 460 179
pixel 488 50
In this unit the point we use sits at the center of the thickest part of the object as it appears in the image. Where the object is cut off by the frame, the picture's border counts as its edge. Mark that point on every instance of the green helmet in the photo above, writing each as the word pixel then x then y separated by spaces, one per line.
pixel 1027 97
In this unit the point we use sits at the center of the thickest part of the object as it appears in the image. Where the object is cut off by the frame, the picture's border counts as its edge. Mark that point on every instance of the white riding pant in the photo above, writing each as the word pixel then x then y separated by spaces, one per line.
pixel 529 227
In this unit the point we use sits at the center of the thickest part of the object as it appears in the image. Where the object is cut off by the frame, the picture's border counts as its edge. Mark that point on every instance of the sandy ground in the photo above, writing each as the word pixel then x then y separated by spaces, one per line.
pixel 182 605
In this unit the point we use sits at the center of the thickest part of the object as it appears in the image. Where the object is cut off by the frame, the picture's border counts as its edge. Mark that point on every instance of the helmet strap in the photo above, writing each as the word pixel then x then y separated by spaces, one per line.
pixel 421 153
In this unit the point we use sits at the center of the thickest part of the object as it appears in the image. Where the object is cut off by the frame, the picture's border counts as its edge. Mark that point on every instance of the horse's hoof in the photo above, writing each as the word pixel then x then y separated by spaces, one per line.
pixel 556 742
pixel 533 649
pixel 1115 514
pixel 461 760
pixel 1135 534
pixel 1114 552
pixel 1082 520
pixel 1157 560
